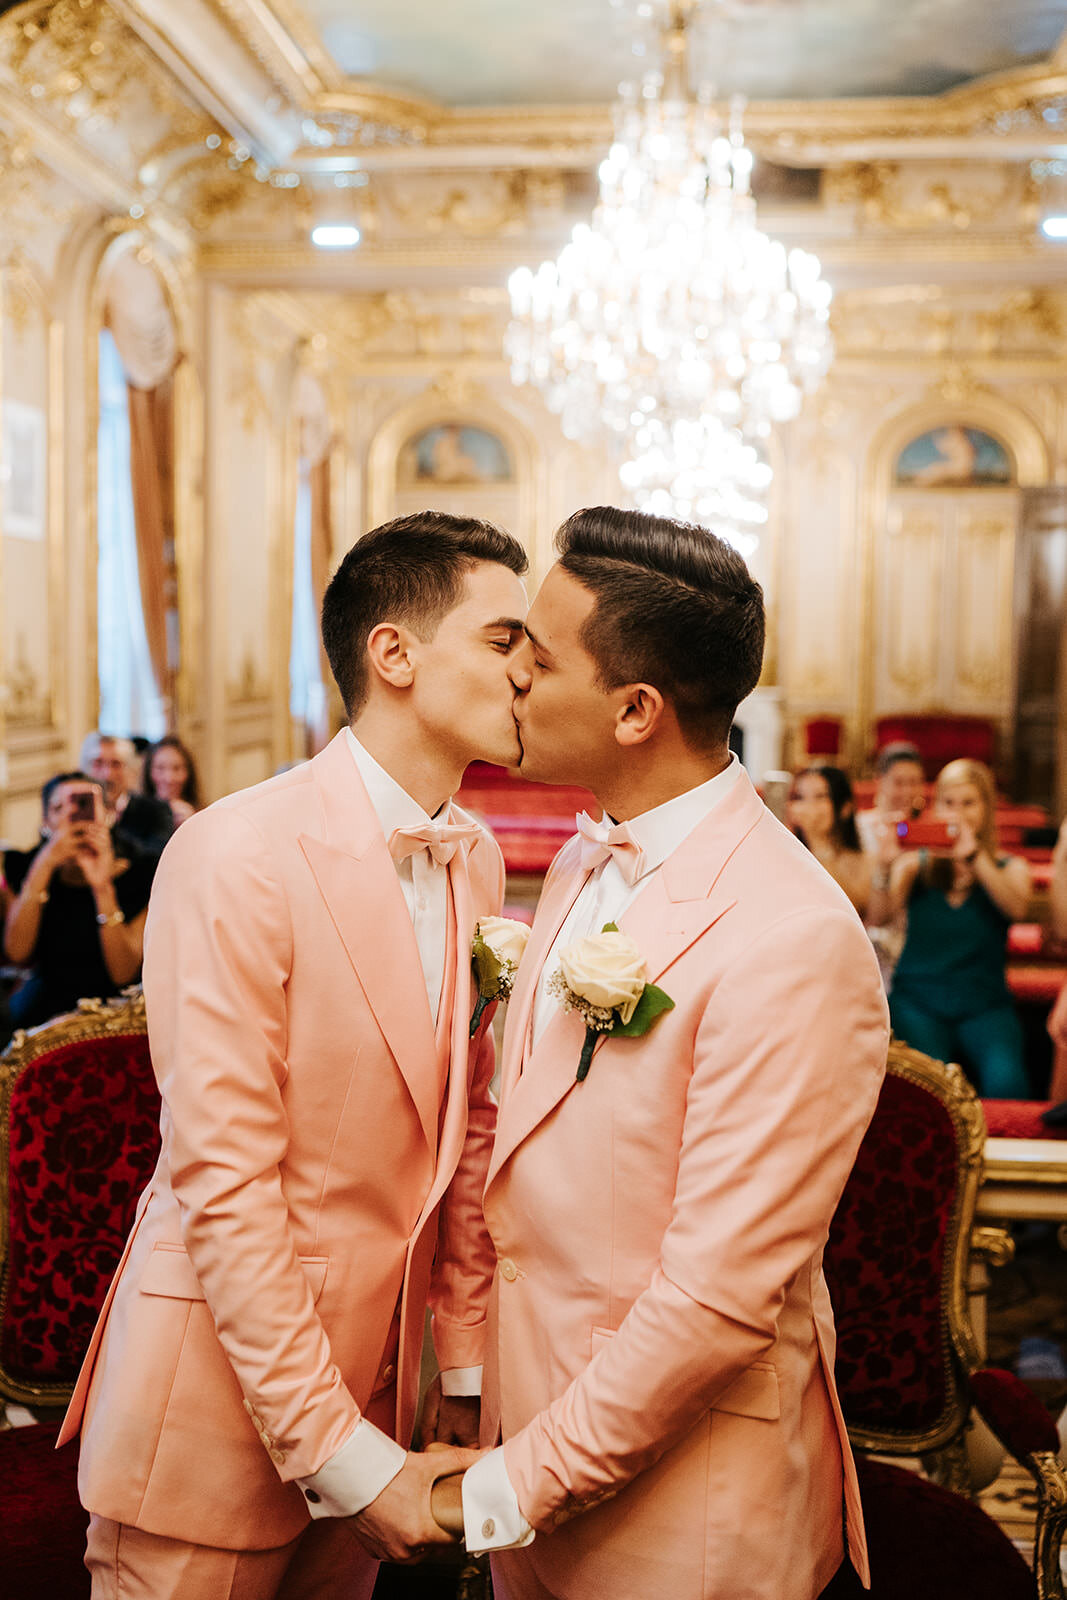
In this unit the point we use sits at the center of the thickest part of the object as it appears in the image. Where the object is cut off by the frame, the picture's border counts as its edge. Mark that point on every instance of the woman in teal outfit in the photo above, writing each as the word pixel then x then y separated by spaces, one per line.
pixel 949 994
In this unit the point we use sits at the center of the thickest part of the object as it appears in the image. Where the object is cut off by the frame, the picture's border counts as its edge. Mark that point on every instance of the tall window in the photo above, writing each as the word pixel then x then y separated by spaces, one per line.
pixel 130 701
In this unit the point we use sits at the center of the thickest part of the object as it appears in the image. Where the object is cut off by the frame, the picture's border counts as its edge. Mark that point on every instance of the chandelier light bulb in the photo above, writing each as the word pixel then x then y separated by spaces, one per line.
pixel 671 325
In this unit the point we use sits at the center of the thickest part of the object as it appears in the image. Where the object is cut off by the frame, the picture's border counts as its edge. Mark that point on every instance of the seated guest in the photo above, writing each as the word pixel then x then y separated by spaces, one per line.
pixel 950 996
pixel 822 814
pixel 143 823
pixel 170 774
pixel 899 797
pixel 78 910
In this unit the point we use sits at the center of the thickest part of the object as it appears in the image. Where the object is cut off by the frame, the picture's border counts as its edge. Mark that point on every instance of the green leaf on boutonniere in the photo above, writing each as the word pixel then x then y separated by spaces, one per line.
pixel 652 1004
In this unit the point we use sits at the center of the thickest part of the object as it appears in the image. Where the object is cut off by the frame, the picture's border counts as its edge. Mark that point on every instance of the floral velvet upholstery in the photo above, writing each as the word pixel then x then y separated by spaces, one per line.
pixel 886 1264
pixel 42 1526
pixel 83 1137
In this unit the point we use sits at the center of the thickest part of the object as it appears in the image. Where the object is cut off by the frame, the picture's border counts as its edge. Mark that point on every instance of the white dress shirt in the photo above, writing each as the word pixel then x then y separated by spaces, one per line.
pixel 491 1516
pixel 368 1460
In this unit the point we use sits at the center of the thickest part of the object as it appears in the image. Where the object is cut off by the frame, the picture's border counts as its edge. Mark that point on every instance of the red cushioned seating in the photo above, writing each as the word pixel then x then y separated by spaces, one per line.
pixel 80 1109
pixel 926 1543
pixel 1035 983
pixel 822 737
pixel 897 1263
pixel 1019 1119
pixel 940 737
pixel 42 1526
pixel 1025 939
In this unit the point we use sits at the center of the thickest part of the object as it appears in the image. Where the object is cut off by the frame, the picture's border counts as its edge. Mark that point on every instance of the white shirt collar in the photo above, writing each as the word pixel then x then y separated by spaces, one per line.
pixel 393 806
pixel 660 831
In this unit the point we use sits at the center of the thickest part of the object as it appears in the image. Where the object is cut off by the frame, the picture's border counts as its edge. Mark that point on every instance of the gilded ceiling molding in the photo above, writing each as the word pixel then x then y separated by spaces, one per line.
pixel 283 42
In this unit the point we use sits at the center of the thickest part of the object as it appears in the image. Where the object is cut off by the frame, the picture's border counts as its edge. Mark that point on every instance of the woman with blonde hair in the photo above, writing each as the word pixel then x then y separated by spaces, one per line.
pixel 949 995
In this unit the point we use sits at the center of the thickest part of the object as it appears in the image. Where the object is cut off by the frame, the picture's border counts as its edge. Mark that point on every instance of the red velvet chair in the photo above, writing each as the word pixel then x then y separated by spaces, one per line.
pixel 822 738
pixel 79 1137
pixel 907 1361
pixel 940 736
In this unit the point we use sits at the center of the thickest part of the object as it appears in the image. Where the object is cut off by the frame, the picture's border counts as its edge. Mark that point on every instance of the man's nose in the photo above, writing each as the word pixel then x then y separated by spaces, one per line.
pixel 519 669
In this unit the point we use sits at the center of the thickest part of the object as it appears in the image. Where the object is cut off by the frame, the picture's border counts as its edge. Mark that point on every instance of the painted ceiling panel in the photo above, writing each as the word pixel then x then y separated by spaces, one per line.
pixel 510 52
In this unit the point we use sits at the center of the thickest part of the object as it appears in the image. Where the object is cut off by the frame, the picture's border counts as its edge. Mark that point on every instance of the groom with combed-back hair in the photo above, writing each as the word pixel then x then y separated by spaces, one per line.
pixel 661 1347
pixel 248 1396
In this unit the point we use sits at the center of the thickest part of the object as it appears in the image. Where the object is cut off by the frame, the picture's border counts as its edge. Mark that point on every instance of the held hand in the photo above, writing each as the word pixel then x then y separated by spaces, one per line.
pixel 888 843
pixel 95 855
pixel 966 843
pixel 399 1525
pixel 449 1418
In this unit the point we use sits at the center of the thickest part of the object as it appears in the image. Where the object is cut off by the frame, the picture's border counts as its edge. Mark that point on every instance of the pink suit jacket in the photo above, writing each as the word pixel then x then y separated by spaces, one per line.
pixel 309 1169
pixel 661 1338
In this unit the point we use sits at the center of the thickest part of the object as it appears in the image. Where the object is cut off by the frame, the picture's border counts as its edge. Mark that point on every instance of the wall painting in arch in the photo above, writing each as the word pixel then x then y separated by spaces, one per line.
pixel 954 457
pixel 454 452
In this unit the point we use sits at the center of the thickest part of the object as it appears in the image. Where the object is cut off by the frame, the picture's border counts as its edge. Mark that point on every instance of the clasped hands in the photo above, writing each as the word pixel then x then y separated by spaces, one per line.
pixel 422 1507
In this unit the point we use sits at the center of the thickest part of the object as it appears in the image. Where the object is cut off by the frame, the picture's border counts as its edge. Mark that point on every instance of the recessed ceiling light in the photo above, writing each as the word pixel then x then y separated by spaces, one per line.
pixel 1054 227
pixel 335 236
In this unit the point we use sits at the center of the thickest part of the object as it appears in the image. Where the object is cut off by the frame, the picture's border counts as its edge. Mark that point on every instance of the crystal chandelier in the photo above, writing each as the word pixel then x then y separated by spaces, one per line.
pixel 671 324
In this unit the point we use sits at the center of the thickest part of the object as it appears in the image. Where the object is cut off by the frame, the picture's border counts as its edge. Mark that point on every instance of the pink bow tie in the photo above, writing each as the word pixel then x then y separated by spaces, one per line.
pixel 441 839
pixel 603 839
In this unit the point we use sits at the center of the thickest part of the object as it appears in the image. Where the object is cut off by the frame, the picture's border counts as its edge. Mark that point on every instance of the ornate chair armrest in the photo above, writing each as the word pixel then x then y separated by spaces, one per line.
pixel 1022 1424
pixel 995 1245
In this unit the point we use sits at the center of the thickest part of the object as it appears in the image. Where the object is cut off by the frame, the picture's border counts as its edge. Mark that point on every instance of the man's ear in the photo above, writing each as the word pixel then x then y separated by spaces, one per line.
pixel 639 714
pixel 390 654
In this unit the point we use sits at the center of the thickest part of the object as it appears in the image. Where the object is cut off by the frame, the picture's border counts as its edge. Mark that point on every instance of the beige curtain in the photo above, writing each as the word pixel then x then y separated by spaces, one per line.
pixel 314 441
pixel 139 317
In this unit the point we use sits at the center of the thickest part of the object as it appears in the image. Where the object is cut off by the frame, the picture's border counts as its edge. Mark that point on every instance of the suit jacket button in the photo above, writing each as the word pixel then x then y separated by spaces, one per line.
pixel 248 1407
pixel 388 1372
pixel 508 1270
pixel 277 1456
pixel 488 1528
pixel 312 1495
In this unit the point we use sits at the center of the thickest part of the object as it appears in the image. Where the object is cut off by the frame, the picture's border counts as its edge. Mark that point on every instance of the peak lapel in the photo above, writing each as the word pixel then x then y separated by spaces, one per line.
pixel 357 880
pixel 679 904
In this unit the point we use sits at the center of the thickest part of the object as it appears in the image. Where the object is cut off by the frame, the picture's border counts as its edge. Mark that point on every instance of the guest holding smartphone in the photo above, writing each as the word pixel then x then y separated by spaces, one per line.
pixel 78 909
pixel 950 995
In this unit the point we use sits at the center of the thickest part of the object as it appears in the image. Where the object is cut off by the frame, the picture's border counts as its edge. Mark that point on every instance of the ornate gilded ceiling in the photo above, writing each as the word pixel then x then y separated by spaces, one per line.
pixel 560 52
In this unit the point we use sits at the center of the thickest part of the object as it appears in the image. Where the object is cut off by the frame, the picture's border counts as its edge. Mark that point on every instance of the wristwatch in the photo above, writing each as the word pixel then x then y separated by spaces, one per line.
pixel 110 919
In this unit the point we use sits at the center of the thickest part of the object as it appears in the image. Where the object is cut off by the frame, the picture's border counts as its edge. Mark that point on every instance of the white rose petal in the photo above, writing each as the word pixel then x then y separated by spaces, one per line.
pixel 504 937
pixel 608 970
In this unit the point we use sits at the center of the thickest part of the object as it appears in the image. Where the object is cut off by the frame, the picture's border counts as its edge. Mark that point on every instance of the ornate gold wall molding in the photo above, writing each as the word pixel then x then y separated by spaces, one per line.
pixel 958 194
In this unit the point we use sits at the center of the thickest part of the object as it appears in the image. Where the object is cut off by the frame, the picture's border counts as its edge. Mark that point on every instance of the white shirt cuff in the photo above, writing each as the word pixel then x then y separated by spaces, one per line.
pixel 491 1516
pixel 354 1475
pixel 462 1381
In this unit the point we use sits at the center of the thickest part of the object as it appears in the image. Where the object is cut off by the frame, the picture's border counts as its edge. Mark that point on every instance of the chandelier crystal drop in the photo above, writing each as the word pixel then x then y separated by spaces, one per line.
pixel 671 324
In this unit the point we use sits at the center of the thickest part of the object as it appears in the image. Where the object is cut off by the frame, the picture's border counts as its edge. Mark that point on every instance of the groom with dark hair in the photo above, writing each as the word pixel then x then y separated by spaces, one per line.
pixel 661 1342
pixel 248 1398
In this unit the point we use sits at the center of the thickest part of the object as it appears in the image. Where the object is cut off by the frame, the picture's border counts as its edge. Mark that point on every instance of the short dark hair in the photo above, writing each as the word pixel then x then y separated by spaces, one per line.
pixel 49 788
pixel 676 607
pixel 409 570
pixel 891 754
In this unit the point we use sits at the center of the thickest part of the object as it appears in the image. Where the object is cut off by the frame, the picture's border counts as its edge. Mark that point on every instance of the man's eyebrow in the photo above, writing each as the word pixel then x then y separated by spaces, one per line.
pixel 535 641
pixel 508 624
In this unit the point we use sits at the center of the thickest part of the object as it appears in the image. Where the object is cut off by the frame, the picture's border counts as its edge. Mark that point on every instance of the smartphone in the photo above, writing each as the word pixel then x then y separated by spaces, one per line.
pixel 84 805
pixel 926 834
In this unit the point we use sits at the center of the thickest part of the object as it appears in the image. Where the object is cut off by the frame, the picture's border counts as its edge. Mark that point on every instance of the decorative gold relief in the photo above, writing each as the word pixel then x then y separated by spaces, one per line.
pixel 249 687
pixel 957 194
pixel 27 700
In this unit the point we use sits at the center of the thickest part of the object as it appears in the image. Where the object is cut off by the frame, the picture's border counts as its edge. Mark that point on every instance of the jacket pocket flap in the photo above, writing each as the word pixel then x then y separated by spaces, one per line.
pixel 169 1272
pixel 753 1394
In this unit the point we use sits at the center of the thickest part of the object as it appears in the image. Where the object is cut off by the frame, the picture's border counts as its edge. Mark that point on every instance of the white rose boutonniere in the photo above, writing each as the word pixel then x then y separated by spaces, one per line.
pixel 499 943
pixel 604 979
